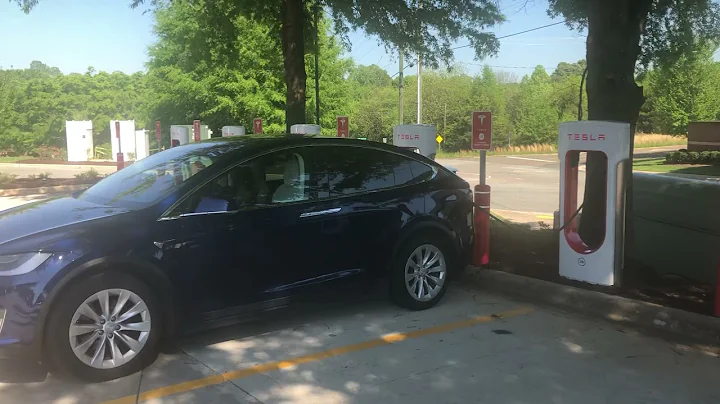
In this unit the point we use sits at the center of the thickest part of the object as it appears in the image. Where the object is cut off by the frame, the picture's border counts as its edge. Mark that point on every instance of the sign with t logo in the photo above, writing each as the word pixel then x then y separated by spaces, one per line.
pixel 257 126
pixel 343 124
pixel 481 130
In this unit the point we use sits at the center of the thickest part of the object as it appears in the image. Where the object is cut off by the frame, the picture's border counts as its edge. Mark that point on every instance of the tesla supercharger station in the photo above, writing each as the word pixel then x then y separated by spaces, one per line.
pixel 233 131
pixel 598 264
pixel 179 135
pixel 304 129
pixel 420 136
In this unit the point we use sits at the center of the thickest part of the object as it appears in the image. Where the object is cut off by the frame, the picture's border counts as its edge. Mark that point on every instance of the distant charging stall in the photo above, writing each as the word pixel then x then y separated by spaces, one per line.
pixel 233 131
pixel 179 135
pixel 79 140
pixel 127 139
pixel 598 264
pixel 142 144
pixel 419 136
pixel 305 129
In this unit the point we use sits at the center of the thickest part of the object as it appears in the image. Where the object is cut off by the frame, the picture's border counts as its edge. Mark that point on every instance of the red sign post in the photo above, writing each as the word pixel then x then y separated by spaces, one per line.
pixel 257 126
pixel 481 130
pixel 343 124
pixel 158 135
pixel 120 157
pixel 196 130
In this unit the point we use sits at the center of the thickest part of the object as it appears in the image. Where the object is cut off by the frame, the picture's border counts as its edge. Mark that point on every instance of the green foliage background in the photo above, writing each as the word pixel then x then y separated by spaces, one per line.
pixel 190 76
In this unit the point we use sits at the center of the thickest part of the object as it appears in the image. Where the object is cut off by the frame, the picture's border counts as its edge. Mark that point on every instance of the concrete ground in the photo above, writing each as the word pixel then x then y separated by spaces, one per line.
pixel 472 348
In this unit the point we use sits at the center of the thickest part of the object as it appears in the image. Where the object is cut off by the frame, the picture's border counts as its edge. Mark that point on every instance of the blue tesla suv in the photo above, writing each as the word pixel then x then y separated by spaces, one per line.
pixel 203 233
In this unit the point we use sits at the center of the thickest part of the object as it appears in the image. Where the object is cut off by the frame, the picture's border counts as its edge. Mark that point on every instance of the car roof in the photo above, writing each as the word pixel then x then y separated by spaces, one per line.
pixel 248 145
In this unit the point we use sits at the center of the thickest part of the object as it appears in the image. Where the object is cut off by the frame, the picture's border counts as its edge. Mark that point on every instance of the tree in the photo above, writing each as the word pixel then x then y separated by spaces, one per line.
pixel 370 76
pixel 564 70
pixel 534 116
pixel 623 35
pixel 686 91
pixel 430 29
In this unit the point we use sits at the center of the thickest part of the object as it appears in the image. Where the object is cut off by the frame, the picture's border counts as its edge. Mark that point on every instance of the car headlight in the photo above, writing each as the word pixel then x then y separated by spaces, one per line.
pixel 20 264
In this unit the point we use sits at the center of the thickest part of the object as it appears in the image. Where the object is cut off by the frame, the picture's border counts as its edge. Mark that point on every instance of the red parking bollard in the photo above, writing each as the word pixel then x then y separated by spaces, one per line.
pixel 120 161
pixel 481 249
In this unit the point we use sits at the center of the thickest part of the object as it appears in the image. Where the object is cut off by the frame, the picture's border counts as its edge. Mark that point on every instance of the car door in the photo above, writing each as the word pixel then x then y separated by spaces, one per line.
pixel 252 235
pixel 371 188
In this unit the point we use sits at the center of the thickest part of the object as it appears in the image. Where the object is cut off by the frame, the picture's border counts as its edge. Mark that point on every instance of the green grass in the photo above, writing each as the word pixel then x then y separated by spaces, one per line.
pixel 642 140
pixel 5 159
pixel 658 165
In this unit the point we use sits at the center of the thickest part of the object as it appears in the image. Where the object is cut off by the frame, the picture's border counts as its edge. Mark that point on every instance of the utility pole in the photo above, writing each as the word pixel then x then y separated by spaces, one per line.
pixel 419 90
pixel 317 64
pixel 400 80
pixel 419 74
pixel 445 119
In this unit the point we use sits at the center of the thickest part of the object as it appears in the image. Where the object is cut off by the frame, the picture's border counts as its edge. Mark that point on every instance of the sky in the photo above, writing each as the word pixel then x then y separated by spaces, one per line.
pixel 108 35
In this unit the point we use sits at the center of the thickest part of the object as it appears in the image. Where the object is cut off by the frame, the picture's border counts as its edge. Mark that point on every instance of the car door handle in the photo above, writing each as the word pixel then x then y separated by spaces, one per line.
pixel 320 213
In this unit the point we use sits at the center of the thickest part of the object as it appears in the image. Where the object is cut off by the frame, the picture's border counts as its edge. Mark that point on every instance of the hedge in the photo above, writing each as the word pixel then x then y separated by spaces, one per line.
pixel 685 157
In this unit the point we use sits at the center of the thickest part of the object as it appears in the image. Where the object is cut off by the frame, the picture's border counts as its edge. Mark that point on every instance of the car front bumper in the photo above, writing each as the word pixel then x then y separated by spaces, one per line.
pixel 12 347
pixel 17 325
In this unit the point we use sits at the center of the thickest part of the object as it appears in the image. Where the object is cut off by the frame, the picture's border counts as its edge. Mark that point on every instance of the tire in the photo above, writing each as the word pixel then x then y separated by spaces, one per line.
pixel 125 351
pixel 425 242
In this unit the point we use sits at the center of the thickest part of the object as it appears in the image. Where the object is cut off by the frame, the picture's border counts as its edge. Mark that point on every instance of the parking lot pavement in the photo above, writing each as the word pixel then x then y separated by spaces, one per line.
pixel 472 348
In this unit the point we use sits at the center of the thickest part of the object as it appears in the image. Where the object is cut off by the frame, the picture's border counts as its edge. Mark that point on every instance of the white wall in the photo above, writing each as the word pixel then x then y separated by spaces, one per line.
pixel 127 139
pixel 142 144
pixel 79 140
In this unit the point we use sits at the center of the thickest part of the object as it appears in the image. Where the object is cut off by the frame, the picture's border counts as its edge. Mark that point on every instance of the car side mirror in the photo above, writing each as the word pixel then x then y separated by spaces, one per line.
pixel 209 204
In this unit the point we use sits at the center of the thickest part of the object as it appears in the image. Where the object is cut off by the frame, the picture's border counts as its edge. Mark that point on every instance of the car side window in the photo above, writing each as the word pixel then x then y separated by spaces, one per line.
pixel 354 170
pixel 286 176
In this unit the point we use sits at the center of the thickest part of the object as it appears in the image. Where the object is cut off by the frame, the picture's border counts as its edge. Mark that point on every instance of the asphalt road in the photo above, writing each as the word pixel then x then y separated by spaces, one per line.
pixel 519 183
pixel 527 183
pixel 55 170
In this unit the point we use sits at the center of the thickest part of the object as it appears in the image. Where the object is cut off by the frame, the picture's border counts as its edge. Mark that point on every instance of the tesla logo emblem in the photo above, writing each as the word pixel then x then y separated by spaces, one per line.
pixel 585 136
pixel 342 122
pixel 482 120
pixel 408 137
pixel 581 262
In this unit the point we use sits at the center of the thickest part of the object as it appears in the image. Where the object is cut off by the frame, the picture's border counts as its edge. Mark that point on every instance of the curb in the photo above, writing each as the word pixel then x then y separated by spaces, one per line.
pixel 596 304
pixel 42 190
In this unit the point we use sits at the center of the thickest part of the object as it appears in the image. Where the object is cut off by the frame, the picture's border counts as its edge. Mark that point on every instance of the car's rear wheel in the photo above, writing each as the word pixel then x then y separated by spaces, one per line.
pixel 419 275
pixel 104 327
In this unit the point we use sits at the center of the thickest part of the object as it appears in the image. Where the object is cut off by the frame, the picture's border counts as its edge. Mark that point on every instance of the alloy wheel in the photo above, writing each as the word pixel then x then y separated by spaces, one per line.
pixel 425 272
pixel 110 328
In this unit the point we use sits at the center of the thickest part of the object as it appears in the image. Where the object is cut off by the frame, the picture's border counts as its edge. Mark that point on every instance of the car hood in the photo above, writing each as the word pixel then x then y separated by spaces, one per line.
pixel 41 216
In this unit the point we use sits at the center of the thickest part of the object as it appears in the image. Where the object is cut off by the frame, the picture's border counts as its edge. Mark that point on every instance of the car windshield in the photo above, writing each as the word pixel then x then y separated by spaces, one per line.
pixel 151 179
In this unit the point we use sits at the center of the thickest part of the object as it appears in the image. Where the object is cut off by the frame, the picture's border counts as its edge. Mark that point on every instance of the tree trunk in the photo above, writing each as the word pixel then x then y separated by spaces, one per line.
pixel 613 47
pixel 293 46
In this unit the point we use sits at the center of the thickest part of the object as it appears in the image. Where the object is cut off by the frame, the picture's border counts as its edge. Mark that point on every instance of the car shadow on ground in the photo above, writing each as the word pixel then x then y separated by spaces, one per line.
pixel 540 357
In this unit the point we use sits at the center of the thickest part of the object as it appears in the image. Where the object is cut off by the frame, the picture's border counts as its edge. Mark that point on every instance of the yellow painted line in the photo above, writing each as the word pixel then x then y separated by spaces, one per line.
pixel 284 364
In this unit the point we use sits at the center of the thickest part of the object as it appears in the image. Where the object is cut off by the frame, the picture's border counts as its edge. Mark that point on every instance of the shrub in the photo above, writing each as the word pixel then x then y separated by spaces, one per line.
pixel 6 178
pixel 681 157
pixel 90 174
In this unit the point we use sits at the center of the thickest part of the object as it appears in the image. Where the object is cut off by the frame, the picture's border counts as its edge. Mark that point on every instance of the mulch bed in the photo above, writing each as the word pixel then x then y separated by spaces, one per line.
pixel 69 163
pixel 517 249
pixel 49 182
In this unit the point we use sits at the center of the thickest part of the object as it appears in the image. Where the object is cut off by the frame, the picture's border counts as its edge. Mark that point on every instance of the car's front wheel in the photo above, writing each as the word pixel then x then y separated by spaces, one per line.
pixel 420 271
pixel 104 327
